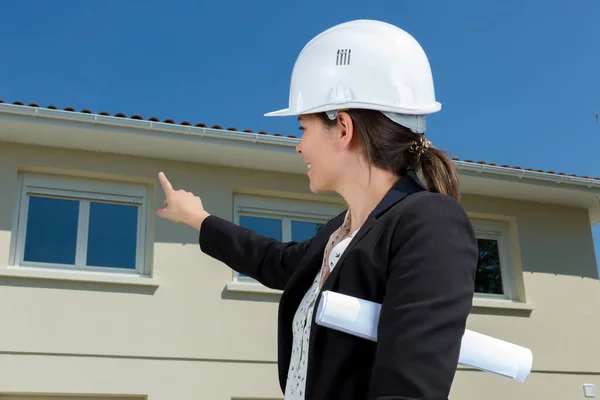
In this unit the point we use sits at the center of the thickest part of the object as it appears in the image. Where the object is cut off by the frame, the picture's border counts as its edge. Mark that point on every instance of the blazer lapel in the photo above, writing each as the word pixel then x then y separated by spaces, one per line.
pixel 295 290
pixel 307 270
pixel 405 186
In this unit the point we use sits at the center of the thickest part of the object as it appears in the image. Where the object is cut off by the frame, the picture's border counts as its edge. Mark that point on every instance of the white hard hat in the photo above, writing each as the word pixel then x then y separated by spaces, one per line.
pixel 363 64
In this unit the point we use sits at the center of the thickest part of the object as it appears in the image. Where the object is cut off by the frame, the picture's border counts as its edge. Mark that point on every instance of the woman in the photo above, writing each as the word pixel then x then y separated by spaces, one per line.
pixel 361 91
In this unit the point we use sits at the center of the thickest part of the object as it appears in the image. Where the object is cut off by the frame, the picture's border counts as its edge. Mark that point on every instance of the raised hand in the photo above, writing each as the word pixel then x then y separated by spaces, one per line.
pixel 181 206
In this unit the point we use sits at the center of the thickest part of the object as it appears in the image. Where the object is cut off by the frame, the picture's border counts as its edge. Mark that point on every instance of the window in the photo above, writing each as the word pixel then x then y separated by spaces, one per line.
pixel 81 224
pixel 494 278
pixel 282 219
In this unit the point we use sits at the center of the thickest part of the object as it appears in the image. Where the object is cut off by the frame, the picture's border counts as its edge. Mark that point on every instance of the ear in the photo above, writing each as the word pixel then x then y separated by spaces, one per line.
pixel 346 130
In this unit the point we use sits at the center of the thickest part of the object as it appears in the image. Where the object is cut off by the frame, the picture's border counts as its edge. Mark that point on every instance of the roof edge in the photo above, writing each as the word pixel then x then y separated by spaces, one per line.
pixel 199 131
pixel 524 173
pixel 278 141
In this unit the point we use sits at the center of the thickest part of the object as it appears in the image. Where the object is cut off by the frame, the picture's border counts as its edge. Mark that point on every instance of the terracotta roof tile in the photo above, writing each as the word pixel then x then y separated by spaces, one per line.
pixel 233 129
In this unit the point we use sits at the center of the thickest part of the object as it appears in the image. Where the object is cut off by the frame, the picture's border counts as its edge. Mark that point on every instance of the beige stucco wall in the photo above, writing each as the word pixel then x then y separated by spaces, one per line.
pixel 180 340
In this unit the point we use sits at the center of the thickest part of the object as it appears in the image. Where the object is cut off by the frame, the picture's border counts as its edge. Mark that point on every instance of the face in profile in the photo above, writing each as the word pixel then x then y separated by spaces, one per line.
pixel 325 151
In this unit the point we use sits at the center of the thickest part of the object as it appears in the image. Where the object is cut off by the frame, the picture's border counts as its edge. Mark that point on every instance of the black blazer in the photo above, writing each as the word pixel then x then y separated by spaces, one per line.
pixel 416 255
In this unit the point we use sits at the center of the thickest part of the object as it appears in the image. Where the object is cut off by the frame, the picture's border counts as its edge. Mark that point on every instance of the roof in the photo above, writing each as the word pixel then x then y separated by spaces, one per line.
pixel 233 129
pixel 183 142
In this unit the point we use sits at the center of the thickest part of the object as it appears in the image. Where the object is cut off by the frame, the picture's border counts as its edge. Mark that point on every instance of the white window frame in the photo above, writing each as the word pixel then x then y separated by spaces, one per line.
pixel 284 209
pixel 500 231
pixel 501 228
pixel 84 190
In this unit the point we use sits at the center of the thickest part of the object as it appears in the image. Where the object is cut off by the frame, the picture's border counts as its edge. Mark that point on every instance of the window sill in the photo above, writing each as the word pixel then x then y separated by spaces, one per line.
pixel 502 304
pixel 251 287
pixel 78 276
pixel 257 288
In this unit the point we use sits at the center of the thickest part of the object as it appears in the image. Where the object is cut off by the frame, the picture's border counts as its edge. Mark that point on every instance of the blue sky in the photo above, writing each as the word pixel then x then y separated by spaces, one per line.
pixel 518 80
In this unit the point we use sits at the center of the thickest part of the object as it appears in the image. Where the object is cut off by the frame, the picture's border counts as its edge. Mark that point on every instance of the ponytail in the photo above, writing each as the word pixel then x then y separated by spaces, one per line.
pixel 440 173
pixel 394 147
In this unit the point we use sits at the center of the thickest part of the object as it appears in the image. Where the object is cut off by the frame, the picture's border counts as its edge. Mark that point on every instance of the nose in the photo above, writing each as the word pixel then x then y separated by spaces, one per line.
pixel 299 148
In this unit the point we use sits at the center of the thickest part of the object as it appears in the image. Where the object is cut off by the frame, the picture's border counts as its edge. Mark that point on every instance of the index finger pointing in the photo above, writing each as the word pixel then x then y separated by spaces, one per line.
pixel 164 182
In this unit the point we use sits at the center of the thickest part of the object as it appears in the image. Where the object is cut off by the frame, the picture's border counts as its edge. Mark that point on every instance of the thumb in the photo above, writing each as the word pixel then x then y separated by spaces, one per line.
pixel 162 213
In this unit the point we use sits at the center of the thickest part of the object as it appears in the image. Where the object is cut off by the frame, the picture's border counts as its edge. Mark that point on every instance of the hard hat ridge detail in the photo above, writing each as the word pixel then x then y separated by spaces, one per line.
pixel 343 57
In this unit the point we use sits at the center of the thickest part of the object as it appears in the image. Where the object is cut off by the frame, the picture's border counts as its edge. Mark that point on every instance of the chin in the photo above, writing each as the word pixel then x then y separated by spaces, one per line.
pixel 319 188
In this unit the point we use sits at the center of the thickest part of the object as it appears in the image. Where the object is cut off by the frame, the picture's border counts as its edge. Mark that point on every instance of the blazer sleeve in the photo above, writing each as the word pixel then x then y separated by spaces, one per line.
pixel 428 298
pixel 267 260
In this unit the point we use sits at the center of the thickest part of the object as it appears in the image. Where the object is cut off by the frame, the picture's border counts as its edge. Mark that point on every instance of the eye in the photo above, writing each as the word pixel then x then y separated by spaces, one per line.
pixel 301 128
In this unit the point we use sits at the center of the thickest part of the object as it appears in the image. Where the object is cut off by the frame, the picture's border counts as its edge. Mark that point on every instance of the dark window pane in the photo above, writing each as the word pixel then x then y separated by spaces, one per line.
pixel 302 231
pixel 112 235
pixel 488 278
pixel 51 235
pixel 269 227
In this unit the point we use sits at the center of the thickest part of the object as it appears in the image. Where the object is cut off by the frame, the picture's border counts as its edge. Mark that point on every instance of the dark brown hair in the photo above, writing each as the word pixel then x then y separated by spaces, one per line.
pixel 395 148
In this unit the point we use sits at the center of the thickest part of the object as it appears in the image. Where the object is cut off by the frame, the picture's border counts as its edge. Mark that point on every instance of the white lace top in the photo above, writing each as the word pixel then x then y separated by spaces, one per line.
pixel 296 378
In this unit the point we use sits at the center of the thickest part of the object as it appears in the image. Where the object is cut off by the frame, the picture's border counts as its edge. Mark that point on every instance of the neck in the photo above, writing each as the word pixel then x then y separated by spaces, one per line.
pixel 362 193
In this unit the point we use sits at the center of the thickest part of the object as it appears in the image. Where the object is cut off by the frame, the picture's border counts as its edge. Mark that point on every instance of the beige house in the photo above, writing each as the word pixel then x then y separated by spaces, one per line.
pixel 99 299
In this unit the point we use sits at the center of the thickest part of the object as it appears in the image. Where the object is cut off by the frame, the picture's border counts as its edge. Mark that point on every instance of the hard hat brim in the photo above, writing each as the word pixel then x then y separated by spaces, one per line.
pixel 286 112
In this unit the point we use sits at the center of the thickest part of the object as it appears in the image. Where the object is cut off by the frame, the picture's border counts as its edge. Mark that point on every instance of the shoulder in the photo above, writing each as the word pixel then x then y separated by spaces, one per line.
pixel 431 216
pixel 428 206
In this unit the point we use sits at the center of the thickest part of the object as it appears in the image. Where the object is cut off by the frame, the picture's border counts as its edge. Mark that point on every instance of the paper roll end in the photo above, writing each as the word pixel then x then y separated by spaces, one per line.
pixel 321 307
pixel 526 367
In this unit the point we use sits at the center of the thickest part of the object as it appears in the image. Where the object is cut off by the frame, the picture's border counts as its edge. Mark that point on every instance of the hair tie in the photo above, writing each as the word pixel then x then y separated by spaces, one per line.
pixel 420 146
